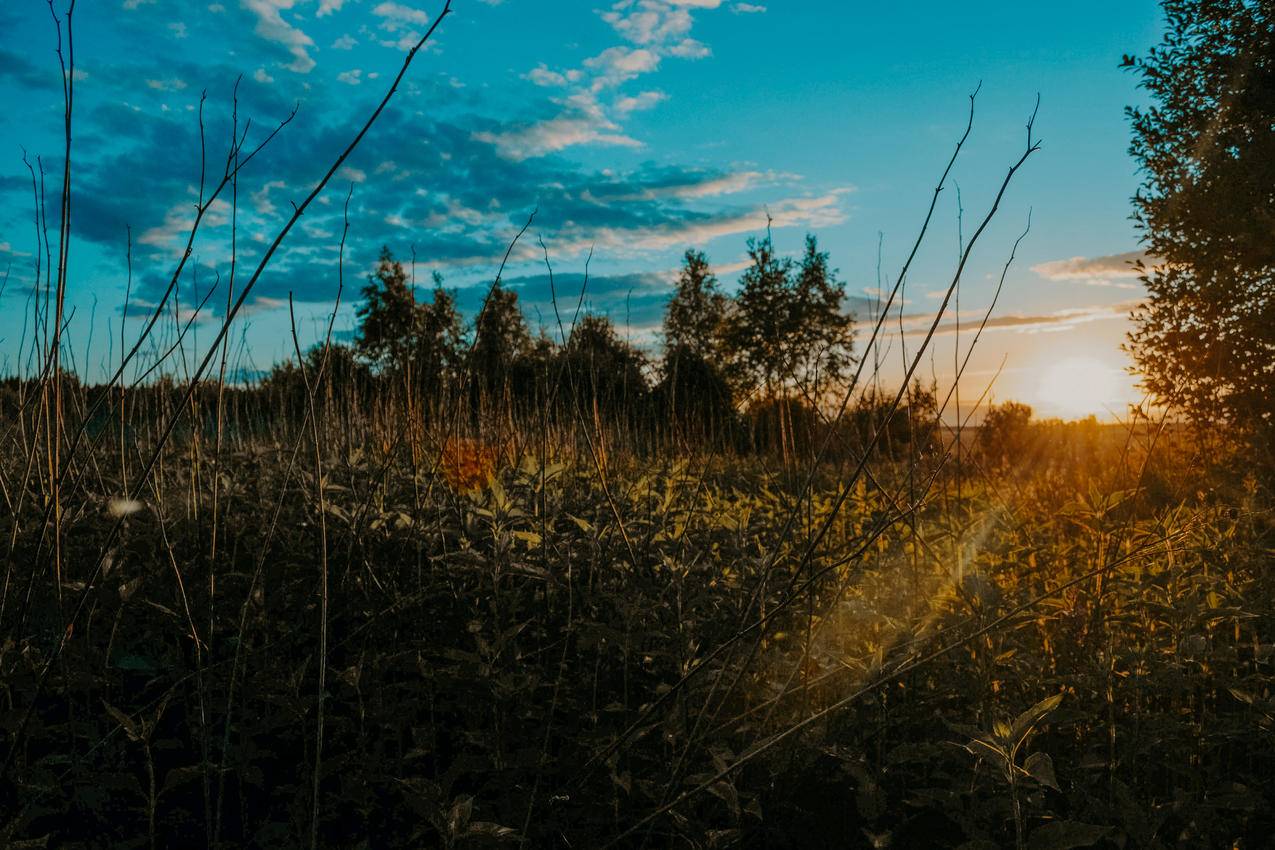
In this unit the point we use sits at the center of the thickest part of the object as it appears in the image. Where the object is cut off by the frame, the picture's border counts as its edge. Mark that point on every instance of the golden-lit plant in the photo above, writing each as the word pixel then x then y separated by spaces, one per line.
pixel 467 464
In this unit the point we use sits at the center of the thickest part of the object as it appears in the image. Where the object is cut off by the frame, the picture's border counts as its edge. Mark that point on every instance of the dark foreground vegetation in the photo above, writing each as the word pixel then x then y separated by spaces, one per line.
pixel 1067 631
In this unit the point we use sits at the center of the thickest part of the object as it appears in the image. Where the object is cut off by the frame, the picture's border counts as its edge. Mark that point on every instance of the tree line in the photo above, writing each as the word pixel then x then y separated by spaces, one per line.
pixel 777 347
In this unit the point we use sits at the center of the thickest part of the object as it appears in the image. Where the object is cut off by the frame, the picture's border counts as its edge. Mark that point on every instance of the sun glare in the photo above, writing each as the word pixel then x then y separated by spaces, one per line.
pixel 1079 386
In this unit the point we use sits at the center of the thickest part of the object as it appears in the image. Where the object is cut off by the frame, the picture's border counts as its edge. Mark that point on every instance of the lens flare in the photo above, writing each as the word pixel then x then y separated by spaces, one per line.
pixel 1077 387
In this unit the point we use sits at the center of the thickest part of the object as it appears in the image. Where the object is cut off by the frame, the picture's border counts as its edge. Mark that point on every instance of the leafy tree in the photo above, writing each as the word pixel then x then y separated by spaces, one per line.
pixel 500 340
pixel 598 367
pixel 395 331
pixel 696 314
pixel 788 327
pixel 762 322
pixel 388 316
pixel 438 346
pixel 1206 334
pixel 1003 436
pixel 824 332
pixel 693 388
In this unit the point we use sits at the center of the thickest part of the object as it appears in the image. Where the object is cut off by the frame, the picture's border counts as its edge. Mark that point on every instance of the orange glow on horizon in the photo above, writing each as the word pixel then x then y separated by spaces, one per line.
pixel 1078 386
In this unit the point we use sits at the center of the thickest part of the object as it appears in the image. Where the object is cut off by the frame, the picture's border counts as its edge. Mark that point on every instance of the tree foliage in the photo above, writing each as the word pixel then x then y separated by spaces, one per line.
pixel 788 328
pixel 1205 338
pixel 1004 432
pixel 784 337
pixel 501 339
pixel 397 331
pixel 388 315
pixel 600 369
pixel 693 388
pixel 695 318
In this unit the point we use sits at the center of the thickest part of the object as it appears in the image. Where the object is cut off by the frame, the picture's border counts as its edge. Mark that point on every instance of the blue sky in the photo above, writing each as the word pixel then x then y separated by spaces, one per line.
pixel 638 128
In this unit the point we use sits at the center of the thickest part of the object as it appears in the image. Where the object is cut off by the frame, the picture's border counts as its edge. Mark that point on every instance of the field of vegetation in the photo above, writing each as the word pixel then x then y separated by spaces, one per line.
pixel 1055 635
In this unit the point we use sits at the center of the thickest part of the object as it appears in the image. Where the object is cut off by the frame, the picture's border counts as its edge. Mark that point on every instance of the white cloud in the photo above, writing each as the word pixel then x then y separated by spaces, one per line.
pixel 554 135
pixel 327 7
pixel 654 30
pixel 261 76
pixel 406 41
pixel 352 77
pixel 272 27
pixel 1058 320
pixel 583 121
pixel 639 102
pixel 261 198
pixel 748 8
pixel 177 223
pixel 397 15
pixel 345 42
pixel 689 48
pixel 178 29
pixel 1116 270
pixel 541 75
pixel 809 212
pixel 648 22
pixel 616 65
pixel 166 85
pixel 6 248
pixel 726 184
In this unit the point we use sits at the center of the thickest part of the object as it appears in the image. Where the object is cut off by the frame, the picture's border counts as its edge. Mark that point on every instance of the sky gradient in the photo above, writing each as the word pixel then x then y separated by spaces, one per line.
pixel 637 129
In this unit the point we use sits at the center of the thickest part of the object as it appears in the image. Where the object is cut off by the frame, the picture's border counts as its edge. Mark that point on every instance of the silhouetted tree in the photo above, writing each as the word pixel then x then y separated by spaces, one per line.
pixel 824 332
pixel 439 344
pixel 600 369
pixel 500 340
pixel 1206 335
pixel 696 314
pixel 693 389
pixel 396 332
pixel 788 331
pixel 788 326
pixel 761 323
pixel 388 316
pixel 1003 436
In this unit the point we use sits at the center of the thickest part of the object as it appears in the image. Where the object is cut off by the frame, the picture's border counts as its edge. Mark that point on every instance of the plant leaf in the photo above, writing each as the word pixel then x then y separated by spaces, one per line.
pixel 1025 722
pixel 1040 766
pixel 129 725
pixel 495 831
pixel 458 818
pixel 1066 834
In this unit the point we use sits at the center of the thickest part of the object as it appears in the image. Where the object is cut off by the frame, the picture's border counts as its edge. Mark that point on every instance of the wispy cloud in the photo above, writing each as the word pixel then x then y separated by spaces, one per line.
pixel 918 324
pixel 1115 270
pixel 684 184
pixel 272 27
pixel 170 85
pixel 617 65
pixel 396 15
pixel 700 229
pixel 593 111
pixel 541 75
pixel 582 121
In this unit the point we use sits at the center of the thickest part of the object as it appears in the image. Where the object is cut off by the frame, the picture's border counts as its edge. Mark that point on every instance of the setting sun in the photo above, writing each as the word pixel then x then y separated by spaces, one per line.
pixel 1079 386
